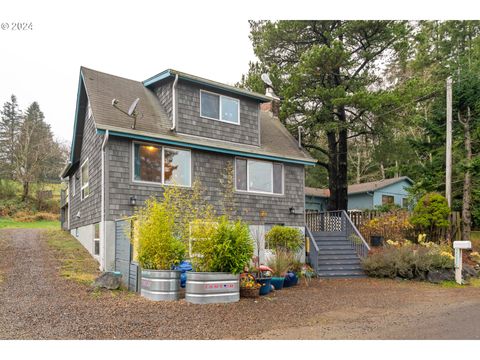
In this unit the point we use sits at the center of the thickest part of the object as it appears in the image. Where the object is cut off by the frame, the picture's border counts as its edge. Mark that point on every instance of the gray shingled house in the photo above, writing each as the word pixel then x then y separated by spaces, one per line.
pixel 186 128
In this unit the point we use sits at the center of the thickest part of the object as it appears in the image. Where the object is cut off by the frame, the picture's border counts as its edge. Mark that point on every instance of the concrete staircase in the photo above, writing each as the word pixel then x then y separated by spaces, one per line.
pixel 336 256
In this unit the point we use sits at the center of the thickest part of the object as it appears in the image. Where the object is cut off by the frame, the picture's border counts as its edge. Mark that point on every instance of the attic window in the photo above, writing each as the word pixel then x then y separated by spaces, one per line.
pixel 219 107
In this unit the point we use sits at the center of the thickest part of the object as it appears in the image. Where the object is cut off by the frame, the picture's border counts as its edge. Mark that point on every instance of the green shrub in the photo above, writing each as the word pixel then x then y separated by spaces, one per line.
pixel 431 215
pixel 223 247
pixel 284 237
pixel 7 189
pixel 157 247
pixel 408 260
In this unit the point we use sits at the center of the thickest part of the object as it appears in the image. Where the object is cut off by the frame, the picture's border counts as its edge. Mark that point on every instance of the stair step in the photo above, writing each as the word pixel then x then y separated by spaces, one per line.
pixel 334 242
pixel 340 267
pixel 332 234
pixel 338 273
pixel 324 256
pixel 337 252
pixel 322 247
pixel 330 238
pixel 353 261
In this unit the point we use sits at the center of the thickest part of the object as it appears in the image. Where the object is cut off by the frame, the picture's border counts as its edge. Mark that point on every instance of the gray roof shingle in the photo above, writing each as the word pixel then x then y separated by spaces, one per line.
pixel 153 122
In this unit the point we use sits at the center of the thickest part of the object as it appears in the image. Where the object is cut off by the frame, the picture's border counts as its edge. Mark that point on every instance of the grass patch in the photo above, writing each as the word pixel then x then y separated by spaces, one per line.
pixel 75 261
pixel 6 223
pixel 473 282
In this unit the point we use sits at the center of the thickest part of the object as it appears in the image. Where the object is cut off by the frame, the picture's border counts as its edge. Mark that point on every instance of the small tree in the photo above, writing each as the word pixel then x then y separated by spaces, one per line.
pixel 431 215
pixel 284 238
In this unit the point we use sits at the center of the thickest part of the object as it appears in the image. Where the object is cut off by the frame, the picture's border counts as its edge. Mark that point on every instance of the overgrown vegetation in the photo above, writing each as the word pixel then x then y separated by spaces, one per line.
pixel 12 224
pixel 393 226
pixel 407 260
pixel 431 215
pixel 75 261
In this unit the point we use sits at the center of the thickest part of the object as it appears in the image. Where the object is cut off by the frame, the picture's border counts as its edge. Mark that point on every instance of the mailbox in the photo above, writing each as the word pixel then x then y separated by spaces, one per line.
pixel 458 246
pixel 462 244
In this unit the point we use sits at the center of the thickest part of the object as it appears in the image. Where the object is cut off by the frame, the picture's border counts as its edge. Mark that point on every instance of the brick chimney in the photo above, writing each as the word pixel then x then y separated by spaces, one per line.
pixel 274 105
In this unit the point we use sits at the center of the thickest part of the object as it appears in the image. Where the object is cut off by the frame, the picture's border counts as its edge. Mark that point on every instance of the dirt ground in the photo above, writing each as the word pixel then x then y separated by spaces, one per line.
pixel 37 303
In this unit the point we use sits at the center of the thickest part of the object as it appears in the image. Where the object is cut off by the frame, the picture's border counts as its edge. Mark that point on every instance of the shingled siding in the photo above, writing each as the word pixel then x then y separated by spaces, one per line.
pixel 190 122
pixel 90 207
pixel 209 168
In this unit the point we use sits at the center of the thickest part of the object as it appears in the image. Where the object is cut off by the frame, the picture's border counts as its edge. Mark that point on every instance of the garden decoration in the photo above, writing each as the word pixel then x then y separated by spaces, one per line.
pixel 249 288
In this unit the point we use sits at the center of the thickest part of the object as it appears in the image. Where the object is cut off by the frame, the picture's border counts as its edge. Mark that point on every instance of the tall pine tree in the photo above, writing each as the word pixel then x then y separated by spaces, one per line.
pixel 10 122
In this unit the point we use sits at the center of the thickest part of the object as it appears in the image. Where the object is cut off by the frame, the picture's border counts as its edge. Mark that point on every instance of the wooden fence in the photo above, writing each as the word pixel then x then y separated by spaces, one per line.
pixel 362 217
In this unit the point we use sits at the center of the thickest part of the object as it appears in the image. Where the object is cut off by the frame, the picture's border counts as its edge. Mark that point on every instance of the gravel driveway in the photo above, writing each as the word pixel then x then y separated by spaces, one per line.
pixel 36 303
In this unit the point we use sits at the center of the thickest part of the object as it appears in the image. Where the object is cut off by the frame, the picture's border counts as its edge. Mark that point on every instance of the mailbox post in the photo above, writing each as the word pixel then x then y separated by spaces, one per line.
pixel 458 246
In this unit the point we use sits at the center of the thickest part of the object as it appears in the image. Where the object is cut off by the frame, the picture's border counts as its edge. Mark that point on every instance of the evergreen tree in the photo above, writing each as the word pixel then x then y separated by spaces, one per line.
pixel 10 122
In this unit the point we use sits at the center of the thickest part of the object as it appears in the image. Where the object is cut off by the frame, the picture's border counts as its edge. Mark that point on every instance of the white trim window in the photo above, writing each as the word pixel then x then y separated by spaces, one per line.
pixel 219 107
pixel 161 165
pixel 84 180
pixel 259 176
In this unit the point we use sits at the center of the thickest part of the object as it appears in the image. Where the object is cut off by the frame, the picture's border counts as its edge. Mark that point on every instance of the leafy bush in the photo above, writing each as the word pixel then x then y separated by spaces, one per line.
pixel 282 262
pixel 285 238
pixel 224 247
pixel 431 215
pixel 157 247
pixel 7 189
pixel 408 260
pixel 393 226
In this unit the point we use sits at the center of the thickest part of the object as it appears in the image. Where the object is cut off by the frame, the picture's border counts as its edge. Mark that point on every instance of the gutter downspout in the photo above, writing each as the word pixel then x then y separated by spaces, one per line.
pixel 174 104
pixel 104 228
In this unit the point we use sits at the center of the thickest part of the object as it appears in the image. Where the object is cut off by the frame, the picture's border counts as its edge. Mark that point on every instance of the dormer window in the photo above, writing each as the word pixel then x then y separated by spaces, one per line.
pixel 219 107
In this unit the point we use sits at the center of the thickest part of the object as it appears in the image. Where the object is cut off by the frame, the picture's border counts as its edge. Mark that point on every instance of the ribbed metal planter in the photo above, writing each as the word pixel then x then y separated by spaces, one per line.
pixel 160 285
pixel 212 288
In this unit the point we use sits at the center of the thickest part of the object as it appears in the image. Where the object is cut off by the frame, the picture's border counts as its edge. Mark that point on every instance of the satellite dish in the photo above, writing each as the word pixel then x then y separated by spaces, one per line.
pixel 132 108
pixel 266 79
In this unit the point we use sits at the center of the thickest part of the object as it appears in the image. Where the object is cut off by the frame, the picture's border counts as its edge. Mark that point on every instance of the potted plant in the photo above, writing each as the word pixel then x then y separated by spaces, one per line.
pixel 249 288
pixel 286 242
pixel 158 250
pixel 280 264
pixel 222 250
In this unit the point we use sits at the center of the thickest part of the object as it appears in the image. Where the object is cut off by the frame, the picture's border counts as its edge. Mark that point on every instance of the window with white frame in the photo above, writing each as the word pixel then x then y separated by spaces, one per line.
pixel 84 178
pixel 258 176
pixel 219 107
pixel 162 165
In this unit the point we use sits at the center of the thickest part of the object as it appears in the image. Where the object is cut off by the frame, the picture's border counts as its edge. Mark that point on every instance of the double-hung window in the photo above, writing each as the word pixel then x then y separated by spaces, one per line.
pixel 162 165
pixel 84 177
pixel 219 107
pixel 258 176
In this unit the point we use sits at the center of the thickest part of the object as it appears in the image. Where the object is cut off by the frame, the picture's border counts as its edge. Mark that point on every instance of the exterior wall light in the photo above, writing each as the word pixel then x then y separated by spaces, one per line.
pixel 133 200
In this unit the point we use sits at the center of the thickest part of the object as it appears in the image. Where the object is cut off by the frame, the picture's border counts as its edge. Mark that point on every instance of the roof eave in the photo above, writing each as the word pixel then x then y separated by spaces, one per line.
pixel 205 82
pixel 180 142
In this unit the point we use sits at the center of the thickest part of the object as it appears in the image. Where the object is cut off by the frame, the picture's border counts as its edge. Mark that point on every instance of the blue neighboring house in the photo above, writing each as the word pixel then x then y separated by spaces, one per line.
pixel 363 196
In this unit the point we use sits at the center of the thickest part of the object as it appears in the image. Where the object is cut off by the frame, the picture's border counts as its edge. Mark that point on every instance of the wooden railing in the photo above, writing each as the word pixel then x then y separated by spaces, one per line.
pixel 338 222
pixel 313 249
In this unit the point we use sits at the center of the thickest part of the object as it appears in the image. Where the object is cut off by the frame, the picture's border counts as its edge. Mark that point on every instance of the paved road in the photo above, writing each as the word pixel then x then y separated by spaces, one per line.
pixel 36 303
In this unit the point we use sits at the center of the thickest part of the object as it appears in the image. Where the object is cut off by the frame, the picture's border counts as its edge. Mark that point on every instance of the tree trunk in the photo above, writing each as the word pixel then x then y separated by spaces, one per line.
pixel 467 181
pixel 358 165
pixel 382 171
pixel 25 191
pixel 332 171
pixel 342 176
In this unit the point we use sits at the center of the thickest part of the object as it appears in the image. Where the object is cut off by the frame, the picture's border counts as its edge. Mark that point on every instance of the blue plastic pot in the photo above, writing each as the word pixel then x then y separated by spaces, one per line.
pixel 184 266
pixel 266 285
pixel 291 279
pixel 277 282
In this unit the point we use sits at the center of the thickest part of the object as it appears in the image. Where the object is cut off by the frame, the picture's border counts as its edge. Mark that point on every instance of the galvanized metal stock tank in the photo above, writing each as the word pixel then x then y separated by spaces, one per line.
pixel 212 287
pixel 160 285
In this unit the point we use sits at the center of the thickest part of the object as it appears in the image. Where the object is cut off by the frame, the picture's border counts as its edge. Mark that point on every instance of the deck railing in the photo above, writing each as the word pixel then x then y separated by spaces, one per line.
pixel 338 222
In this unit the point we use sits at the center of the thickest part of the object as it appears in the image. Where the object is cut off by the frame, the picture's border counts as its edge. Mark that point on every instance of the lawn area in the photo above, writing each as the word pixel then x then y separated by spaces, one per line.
pixel 75 262
pixel 6 223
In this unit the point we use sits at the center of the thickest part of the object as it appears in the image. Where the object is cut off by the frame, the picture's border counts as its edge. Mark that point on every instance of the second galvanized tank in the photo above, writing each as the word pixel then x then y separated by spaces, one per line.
pixel 212 287
pixel 160 285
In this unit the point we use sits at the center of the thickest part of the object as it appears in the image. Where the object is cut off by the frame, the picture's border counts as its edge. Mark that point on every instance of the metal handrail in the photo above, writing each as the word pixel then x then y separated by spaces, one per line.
pixel 362 248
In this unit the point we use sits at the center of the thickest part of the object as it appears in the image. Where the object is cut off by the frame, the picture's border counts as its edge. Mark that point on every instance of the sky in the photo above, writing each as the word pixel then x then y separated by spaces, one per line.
pixel 138 39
